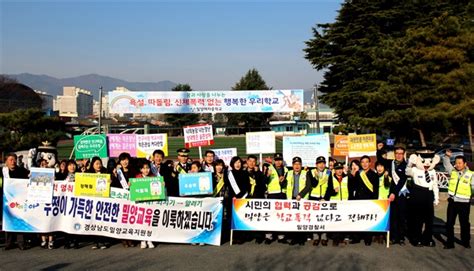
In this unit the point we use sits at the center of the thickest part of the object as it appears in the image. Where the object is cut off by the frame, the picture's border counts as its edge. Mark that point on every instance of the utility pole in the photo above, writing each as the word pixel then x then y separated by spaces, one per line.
pixel 316 107
pixel 100 110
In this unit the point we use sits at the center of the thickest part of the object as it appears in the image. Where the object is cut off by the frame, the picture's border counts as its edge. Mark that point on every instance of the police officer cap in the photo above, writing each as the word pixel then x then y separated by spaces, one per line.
pixel 278 156
pixel 338 165
pixel 320 159
pixel 183 152
pixel 296 159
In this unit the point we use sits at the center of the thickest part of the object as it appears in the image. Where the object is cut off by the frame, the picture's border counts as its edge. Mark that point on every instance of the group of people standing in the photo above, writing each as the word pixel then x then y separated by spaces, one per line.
pixel 411 203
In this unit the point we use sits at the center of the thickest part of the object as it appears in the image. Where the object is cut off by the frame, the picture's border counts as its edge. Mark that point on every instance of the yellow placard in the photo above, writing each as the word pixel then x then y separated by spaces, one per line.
pixel 92 185
pixel 360 145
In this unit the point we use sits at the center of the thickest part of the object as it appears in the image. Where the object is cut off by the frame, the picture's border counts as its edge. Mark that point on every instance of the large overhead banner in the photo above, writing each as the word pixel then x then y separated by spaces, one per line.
pixel 242 101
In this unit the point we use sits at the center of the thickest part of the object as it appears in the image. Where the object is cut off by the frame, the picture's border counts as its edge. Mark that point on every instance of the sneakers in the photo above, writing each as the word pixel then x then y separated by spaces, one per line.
pixel 51 245
pixel 150 244
pixel 143 244
pixel 43 244
pixel 103 247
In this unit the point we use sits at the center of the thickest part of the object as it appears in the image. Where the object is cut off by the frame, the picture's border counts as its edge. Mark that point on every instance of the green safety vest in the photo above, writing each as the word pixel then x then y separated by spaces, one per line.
pixel 460 187
pixel 274 184
pixel 320 190
pixel 384 191
pixel 343 193
pixel 291 183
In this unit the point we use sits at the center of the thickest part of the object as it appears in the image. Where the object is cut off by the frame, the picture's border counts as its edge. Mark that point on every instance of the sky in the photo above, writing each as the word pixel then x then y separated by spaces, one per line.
pixel 209 45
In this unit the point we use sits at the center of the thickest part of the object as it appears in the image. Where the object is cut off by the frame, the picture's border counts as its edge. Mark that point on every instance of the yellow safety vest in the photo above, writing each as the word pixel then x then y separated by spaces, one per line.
pixel 460 187
pixel 274 184
pixel 291 183
pixel 343 193
pixel 384 191
pixel 320 190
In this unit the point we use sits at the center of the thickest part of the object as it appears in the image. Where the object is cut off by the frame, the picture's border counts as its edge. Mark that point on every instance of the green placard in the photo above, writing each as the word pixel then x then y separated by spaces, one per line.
pixel 88 146
pixel 144 189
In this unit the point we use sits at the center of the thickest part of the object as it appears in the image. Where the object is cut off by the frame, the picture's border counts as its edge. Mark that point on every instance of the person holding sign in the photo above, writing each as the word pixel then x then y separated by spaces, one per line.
pixel 97 167
pixel 295 182
pixel 398 193
pixel 460 190
pixel 11 170
pixel 239 187
pixel 71 240
pixel 319 182
pixel 145 171
pixel 277 174
pixel 366 185
pixel 338 190
pixel 258 182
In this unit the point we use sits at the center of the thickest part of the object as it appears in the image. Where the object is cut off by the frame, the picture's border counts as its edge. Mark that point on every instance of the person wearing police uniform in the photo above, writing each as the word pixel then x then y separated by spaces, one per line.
pixel 277 174
pixel 366 186
pixel 180 167
pixel 338 190
pixel 294 183
pixel 460 190
pixel 319 182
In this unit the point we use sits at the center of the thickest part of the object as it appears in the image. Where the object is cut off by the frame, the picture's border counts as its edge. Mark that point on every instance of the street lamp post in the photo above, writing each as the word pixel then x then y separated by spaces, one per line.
pixel 316 107
pixel 100 110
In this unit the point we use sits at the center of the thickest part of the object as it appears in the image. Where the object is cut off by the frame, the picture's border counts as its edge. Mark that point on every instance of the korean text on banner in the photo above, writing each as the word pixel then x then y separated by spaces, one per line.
pixel 306 147
pixel 88 146
pixel 260 142
pixel 360 145
pixel 303 216
pixel 244 101
pixel 147 144
pixel 119 143
pixel 225 154
pixel 177 220
pixel 195 184
pixel 92 185
pixel 341 145
pixel 145 189
pixel 198 135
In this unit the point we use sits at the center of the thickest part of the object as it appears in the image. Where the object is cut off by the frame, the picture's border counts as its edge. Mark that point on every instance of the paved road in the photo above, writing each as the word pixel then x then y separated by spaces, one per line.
pixel 249 256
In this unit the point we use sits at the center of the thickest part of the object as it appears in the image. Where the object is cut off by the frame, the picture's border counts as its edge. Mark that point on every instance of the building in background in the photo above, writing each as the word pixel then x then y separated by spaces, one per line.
pixel 75 102
pixel 48 101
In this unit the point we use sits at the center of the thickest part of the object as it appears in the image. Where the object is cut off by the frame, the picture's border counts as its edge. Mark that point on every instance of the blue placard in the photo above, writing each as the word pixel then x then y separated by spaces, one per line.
pixel 191 184
pixel 390 141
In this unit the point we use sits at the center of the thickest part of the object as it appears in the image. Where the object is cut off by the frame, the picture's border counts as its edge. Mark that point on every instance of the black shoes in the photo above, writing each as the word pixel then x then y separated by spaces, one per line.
pixel 450 246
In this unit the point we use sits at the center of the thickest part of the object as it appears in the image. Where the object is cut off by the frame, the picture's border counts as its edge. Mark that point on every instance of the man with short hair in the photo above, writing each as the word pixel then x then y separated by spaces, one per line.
pixel 460 190
pixel 12 171
pixel 398 194
pixel 366 185
pixel 277 174
pixel 208 164
pixel 318 178
pixel 295 182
